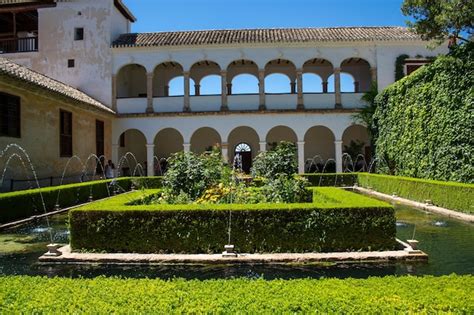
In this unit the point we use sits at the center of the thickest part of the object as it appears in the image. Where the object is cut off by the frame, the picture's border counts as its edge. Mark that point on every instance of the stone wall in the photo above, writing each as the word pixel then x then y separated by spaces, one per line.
pixel 40 133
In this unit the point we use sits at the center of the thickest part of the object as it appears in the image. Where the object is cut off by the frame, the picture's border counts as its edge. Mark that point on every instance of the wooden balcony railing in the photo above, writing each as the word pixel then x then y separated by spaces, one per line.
pixel 15 45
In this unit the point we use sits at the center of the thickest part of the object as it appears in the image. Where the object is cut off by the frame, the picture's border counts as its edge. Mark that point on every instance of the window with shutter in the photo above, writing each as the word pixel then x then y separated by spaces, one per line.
pixel 10 116
pixel 65 134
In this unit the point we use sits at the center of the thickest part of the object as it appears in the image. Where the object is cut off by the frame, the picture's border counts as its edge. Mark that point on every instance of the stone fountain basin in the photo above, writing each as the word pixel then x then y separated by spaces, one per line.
pixel 406 253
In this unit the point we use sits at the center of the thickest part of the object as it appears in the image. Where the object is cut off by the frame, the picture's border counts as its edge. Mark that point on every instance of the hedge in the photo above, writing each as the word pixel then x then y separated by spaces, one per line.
pixel 451 195
pixel 147 182
pixel 336 220
pixel 424 123
pixel 387 295
pixel 332 180
pixel 23 204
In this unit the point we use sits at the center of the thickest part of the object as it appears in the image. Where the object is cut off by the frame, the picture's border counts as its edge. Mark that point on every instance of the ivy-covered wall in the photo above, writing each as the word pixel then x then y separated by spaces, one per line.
pixel 425 122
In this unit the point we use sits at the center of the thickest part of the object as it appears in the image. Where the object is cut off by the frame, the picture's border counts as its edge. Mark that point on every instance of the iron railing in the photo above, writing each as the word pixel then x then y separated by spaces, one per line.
pixel 15 45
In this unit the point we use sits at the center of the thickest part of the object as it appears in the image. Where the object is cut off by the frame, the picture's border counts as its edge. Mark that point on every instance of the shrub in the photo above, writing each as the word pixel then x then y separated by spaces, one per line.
pixel 336 220
pixel 425 121
pixel 387 295
pixel 23 204
pixel 192 174
pixel 283 189
pixel 449 195
pixel 280 160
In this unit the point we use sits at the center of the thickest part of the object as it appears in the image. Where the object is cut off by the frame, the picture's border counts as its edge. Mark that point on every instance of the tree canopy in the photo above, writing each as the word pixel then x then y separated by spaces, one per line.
pixel 438 19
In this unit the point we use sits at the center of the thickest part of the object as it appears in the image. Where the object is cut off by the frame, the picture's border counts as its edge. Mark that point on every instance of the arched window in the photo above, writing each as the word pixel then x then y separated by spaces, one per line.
pixel 277 83
pixel 347 83
pixel 176 86
pixel 211 85
pixel 312 83
pixel 245 84
pixel 242 147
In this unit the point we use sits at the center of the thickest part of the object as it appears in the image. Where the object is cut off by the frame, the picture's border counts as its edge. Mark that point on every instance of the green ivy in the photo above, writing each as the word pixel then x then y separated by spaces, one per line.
pixel 399 65
pixel 425 121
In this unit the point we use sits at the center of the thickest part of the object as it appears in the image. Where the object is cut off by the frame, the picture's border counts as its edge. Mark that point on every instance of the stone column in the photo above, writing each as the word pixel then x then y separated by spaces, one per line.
pixel 263 146
pixel 338 150
pixel 300 157
pixel 225 152
pixel 373 74
pixel 293 87
pixel 299 86
pixel 224 106
pixel 356 87
pixel 186 106
pixel 150 157
pixel 149 92
pixel 115 153
pixel 261 88
pixel 166 91
pixel 187 147
pixel 337 86
pixel 114 92
pixel 325 86
pixel 229 88
pixel 197 89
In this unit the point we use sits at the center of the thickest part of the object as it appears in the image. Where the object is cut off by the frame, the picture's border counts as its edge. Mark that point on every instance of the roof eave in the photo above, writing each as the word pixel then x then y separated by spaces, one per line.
pixel 125 11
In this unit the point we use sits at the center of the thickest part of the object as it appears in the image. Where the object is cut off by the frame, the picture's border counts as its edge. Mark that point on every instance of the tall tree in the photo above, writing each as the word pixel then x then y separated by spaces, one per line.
pixel 438 19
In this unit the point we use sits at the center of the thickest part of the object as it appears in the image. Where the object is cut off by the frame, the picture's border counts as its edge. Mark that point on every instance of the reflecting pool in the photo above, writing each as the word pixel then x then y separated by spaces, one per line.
pixel 448 242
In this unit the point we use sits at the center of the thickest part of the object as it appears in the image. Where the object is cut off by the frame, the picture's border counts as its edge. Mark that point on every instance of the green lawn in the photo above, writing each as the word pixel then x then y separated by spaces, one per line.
pixel 35 295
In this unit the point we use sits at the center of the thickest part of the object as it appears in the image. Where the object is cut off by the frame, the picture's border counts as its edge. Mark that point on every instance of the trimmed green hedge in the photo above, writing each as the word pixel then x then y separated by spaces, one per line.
pixel 23 204
pixel 388 295
pixel 424 123
pixel 451 195
pixel 331 180
pixel 337 220
pixel 151 182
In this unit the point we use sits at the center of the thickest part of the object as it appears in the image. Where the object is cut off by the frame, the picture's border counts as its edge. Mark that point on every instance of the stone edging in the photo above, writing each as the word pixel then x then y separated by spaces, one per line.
pixel 68 257
pixel 419 205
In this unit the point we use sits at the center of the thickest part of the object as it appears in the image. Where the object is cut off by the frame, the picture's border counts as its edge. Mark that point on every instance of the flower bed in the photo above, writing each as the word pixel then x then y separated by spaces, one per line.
pixel 336 220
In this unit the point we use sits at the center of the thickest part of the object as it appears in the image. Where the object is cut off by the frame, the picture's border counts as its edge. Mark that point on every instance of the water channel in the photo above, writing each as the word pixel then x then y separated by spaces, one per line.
pixel 448 242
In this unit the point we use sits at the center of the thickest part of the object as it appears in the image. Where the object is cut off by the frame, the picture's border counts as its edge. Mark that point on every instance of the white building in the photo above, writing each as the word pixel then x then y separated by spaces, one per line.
pixel 158 83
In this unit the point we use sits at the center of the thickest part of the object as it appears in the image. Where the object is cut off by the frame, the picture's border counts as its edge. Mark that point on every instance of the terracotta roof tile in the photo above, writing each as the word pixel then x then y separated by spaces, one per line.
pixel 263 36
pixel 19 72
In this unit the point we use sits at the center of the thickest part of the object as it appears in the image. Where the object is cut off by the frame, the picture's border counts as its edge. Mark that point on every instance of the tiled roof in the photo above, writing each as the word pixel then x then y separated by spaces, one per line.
pixel 264 36
pixel 22 73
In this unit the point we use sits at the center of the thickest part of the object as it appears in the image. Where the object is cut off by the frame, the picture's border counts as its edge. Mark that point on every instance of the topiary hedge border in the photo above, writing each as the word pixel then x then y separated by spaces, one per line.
pixel 450 195
pixel 331 179
pixel 337 220
pixel 26 203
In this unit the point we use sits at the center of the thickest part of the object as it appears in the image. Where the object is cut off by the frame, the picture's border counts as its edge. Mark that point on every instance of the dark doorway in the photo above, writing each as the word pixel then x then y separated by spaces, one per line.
pixel 243 154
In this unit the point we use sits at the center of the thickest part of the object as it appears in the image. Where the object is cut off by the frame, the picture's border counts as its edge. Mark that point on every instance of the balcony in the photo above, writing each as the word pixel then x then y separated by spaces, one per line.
pixel 170 104
pixel 352 100
pixel 206 103
pixel 131 105
pixel 319 100
pixel 17 45
pixel 243 102
pixel 281 101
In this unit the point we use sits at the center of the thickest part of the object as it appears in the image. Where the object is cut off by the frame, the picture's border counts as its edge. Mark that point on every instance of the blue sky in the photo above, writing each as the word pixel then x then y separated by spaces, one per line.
pixel 173 15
